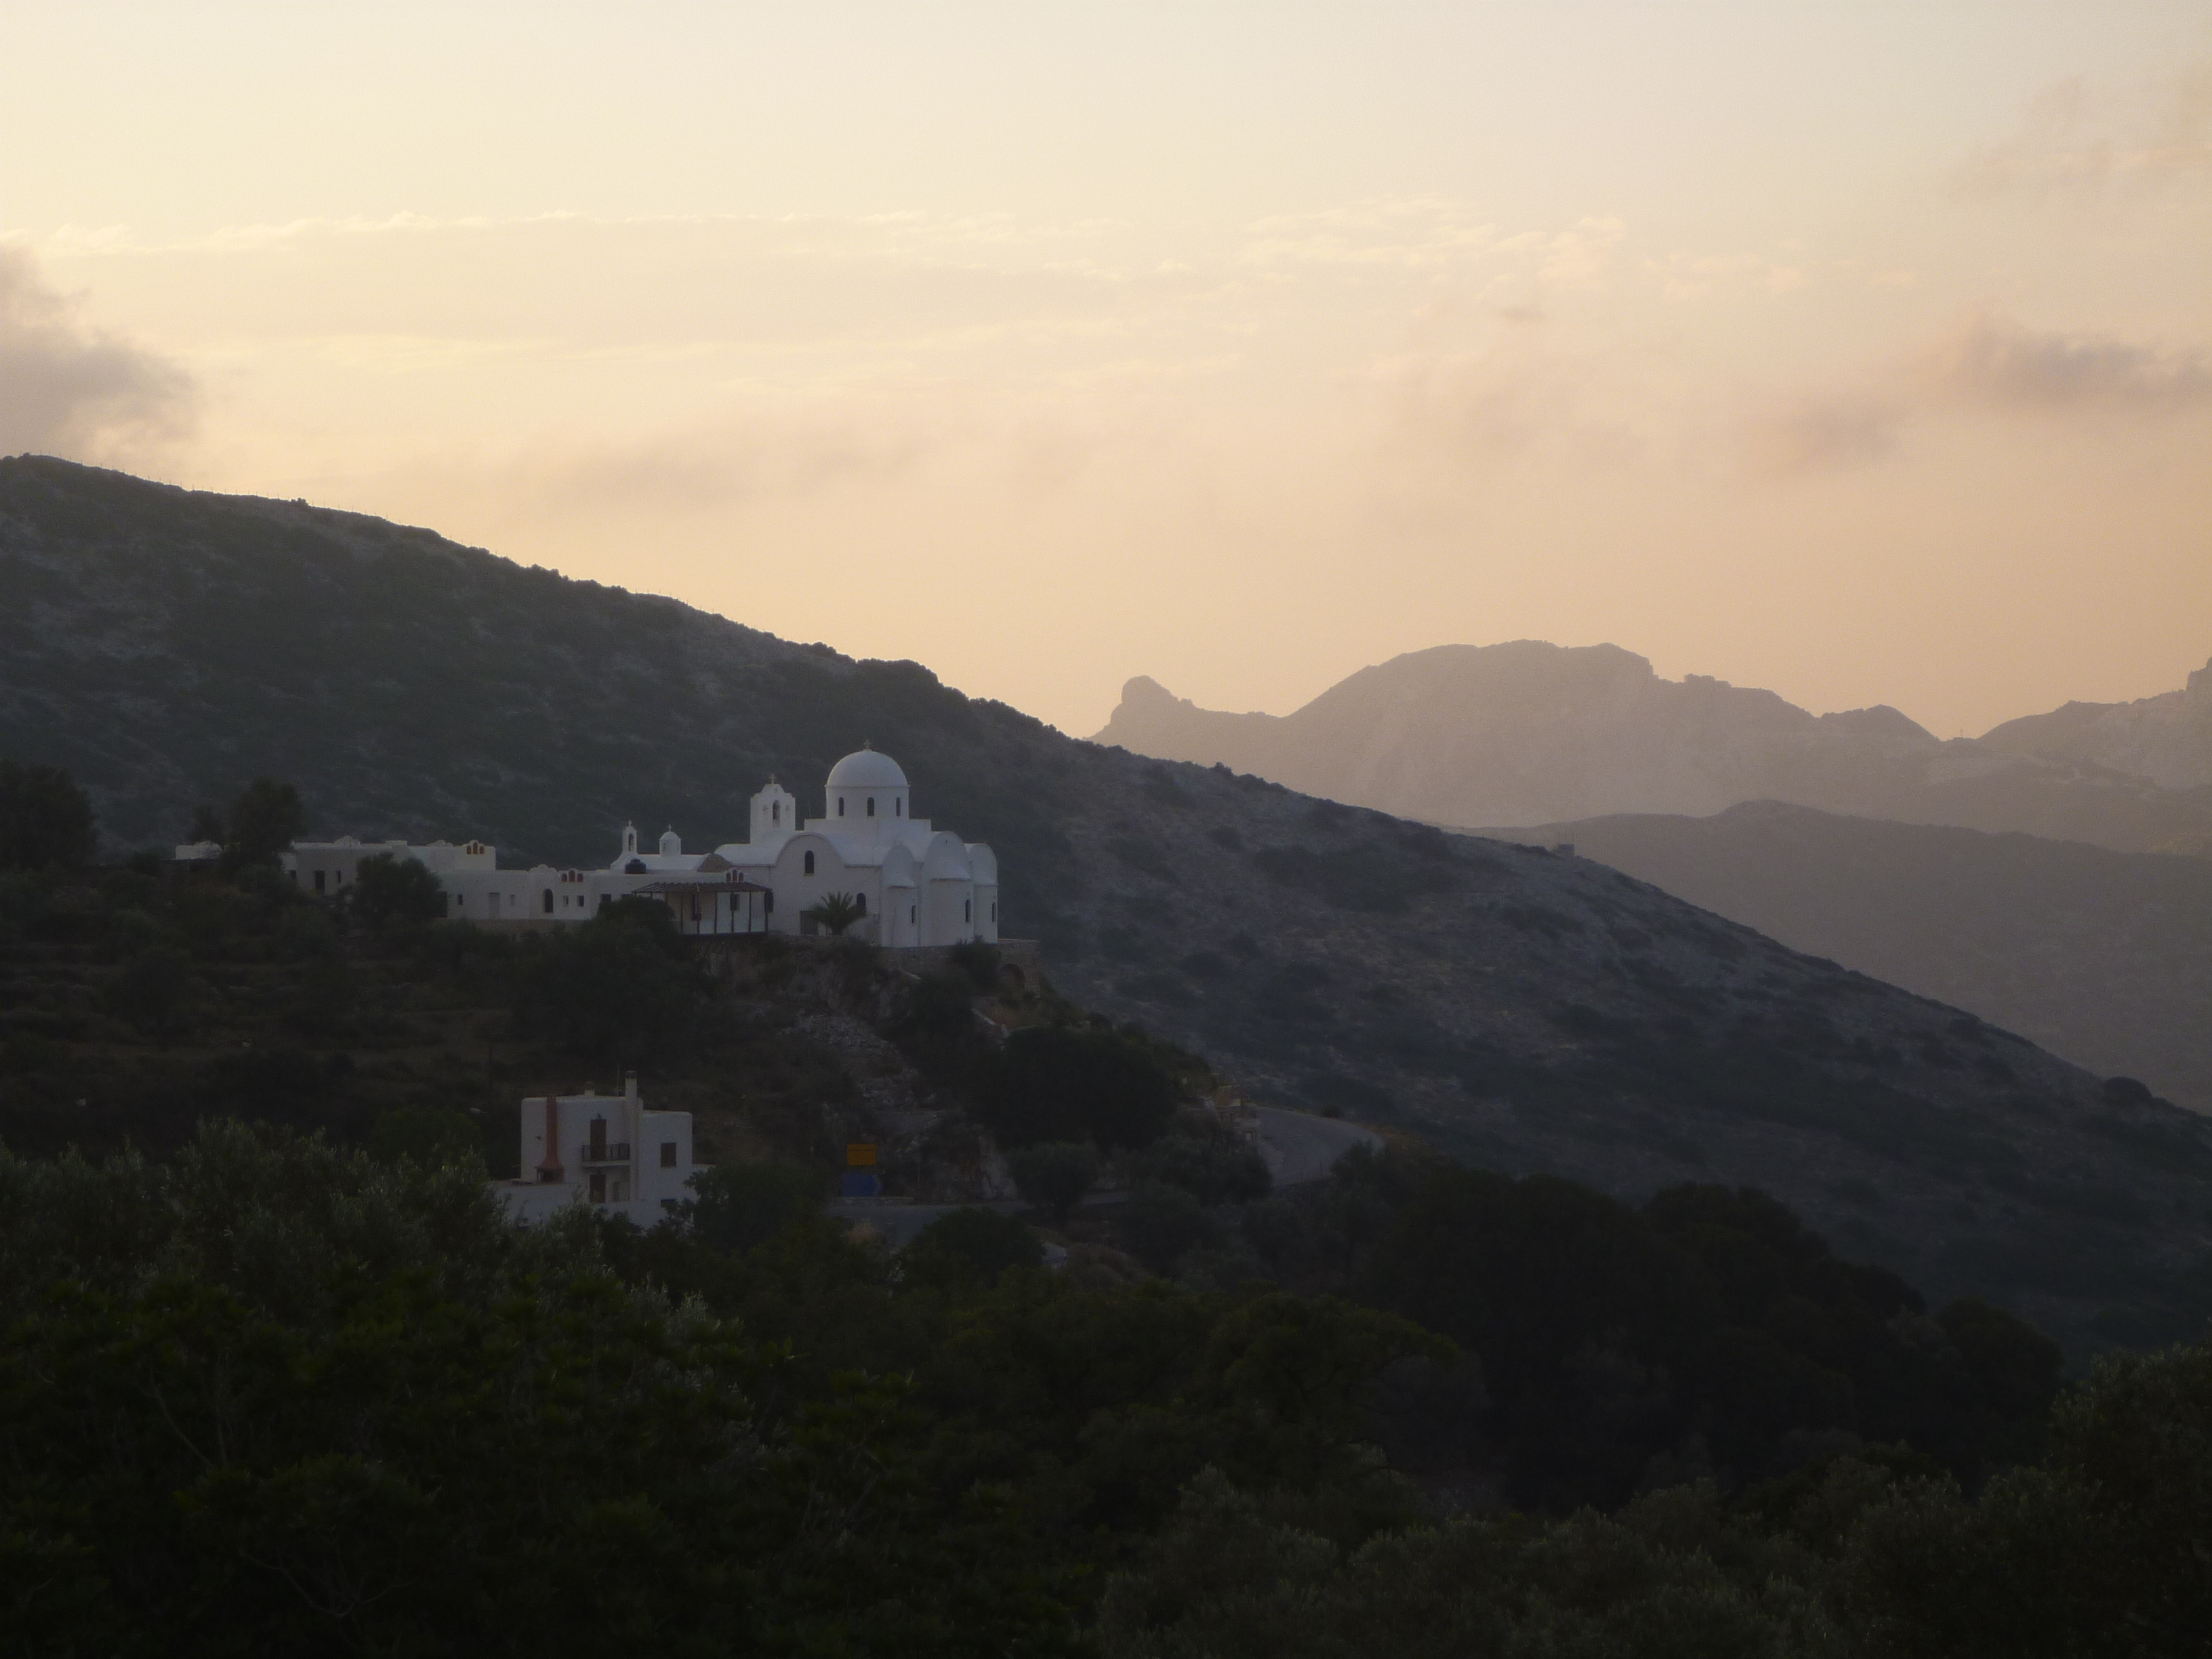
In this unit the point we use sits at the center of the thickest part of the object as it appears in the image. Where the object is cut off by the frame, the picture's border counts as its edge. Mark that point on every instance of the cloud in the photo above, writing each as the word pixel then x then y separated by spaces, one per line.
pixel 1987 364
pixel 2000 364
pixel 2076 137
pixel 71 390
pixel 1823 433
pixel 715 464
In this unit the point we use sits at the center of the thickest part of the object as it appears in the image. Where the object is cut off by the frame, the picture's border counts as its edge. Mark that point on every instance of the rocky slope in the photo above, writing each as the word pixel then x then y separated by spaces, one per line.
pixel 1526 734
pixel 2166 738
pixel 1523 1011
pixel 2104 957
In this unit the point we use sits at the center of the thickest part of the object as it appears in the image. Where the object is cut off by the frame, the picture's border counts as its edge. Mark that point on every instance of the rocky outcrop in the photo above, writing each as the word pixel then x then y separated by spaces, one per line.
pixel 2167 739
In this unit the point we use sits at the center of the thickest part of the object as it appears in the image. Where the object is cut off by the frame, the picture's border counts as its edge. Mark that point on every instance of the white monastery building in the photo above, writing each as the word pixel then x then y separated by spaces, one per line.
pixel 914 884
pixel 606 1150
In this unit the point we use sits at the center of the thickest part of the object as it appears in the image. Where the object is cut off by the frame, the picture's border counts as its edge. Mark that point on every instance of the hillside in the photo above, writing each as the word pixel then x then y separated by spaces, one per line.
pixel 1524 1012
pixel 2166 738
pixel 1526 734
pixel 2104 957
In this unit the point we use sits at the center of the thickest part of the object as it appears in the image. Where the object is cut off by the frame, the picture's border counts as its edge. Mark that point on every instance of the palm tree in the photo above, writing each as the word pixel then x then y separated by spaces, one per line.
pixel 834 912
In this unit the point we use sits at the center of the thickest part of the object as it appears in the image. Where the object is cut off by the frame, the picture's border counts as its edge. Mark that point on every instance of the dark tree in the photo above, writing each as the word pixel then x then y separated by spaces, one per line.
pixel 391 891
pixel 972 1246
pixel 1212 1171
pixel 1060 1083
pixel 740 1205
pixel 1055 1175
pixel 266 818
pixel 1163 1225
pixel 619 988
pixel 45 818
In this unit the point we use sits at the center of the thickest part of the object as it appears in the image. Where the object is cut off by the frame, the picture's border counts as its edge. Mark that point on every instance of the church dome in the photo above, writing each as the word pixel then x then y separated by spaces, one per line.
pixel 864 769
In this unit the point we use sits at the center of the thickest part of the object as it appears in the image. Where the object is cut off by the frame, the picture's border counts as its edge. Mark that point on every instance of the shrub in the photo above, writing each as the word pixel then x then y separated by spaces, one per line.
pixel 266 818
pixel 45 818
pixel 1055 1175
pixel 392 891
pixel 433 1136
pixel 978 961
pixel 153 990
pixel 1210 1171
pixel 1061 1083
pixel 617 989
pixel 1161 1225
pixel 740 1205
pixel 970 1246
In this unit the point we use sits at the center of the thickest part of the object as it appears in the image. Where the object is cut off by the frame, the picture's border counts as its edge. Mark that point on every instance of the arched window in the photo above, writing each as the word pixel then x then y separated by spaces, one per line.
pixel 860 903
pixel 549 901
pixel 871 807
pixel 775 811
pixel 967 909
pixel 898 809
pixel 910 913
pixel 841 806
pixel 810 864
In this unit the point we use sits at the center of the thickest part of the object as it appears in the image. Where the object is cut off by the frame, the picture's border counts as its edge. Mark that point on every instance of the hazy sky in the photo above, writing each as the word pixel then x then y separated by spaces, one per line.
pixel 1863 351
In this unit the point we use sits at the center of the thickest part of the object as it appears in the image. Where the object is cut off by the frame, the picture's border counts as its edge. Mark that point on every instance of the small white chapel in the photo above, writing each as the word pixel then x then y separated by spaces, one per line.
pixel 912 884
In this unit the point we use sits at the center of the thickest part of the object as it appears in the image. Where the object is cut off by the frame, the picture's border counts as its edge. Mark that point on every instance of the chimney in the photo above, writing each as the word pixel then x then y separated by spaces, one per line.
pixel 629 1085
pixel 549 1167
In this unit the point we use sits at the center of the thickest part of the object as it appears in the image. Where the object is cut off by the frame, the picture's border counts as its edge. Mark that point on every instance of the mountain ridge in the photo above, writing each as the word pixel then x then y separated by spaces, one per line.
pixel 2166 738
pixel 1526 732
pixel 2104 957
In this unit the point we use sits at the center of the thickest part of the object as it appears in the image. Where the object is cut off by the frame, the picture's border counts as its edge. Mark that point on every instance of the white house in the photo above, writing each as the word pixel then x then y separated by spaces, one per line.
pixel 606 1150
pixel 914 884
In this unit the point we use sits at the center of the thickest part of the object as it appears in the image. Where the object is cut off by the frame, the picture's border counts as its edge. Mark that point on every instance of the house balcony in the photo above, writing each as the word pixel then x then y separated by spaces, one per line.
pixel 612 1151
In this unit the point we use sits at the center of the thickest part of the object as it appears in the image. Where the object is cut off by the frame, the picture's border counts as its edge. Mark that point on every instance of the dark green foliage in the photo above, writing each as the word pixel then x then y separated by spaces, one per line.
pixel 970 1246
pixel 938 1029
pixel 431 1135
pixel 266 818
pixel 1709 1330
pixel 2101 1550
pixel 392 892
pixel 1162 1225
pixel 740 1205
pixel 243 1393
pixel 978 961
pixel 153 991
pixel 1054 1175
pixel 45 818
pixel 279 1400
pixel 2098 1552
pixel 1069 1083
pixel 1212 1170
pixel 615 989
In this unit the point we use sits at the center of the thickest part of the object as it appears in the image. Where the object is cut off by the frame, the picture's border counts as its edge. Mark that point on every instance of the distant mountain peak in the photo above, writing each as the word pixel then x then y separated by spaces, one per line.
pixel 2165 739
pixel 1525 731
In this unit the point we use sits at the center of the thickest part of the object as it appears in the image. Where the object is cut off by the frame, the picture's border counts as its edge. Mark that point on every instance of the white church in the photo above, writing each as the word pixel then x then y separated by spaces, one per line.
pixel 912 884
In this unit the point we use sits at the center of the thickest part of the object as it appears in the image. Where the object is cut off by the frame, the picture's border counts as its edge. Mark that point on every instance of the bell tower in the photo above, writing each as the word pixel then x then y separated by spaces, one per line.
pixel 776 813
